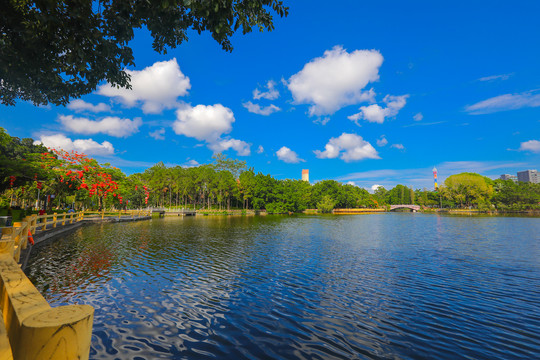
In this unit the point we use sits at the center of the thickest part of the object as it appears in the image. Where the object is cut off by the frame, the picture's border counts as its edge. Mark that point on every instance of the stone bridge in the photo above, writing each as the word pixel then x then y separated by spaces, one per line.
pixel 414 208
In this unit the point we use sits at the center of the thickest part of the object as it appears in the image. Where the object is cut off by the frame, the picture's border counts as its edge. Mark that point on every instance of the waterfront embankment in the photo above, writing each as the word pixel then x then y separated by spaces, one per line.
pixel 30 328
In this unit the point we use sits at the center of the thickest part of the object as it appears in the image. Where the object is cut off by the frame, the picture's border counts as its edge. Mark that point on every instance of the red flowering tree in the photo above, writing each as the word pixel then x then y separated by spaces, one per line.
pixel 73 171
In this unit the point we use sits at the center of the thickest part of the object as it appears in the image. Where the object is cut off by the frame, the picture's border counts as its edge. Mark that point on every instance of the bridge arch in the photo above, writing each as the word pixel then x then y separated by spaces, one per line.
pixel 414 208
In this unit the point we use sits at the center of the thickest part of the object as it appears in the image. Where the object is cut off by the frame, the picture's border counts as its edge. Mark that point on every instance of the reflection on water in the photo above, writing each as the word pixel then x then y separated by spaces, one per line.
pixel 381 286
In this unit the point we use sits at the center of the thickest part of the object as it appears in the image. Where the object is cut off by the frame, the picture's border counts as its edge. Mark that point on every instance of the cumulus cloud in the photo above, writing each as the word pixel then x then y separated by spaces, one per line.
pixel 257 109
pixel 382 141
pixel 86 146
pixel 270 94
pixel 349 147
pixel 377 114
pixel 158 134
pixel 209 123
pixel 79 105
pixel 260 150
pixel 242 148
pixel 531 145
pixel 504 103
pixel 204 122
pixel 111 125
pixel 155 88
pixel 418 117
pixel 287 155
pixel 335 80
pixel 398 146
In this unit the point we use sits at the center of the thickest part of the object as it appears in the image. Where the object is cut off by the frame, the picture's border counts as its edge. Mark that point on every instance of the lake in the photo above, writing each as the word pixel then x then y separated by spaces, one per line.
pixel 379 286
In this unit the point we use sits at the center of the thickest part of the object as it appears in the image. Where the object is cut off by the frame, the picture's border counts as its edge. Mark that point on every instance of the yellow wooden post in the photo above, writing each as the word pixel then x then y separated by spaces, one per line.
pixel 58 333
pixel 5 346
pixel 119 214
pixel 6 243
pixel 102 214
pixel 64 219
pixel 71 218
pixel 34 224
pixel 16 239
pixel 54 220
pixel 44 221
pixel 25 231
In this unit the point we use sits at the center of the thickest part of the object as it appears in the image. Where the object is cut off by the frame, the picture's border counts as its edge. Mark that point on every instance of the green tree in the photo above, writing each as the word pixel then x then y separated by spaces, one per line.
pixel 400 194
pixel 53 50
pixel 509 195
pixel 467 189
pixel 222 162
pixel 326 205
pixel 19 158
pixel 381 194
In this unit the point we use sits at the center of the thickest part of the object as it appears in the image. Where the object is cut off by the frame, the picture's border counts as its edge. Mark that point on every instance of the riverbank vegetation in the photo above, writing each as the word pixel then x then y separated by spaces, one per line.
pixel 68 179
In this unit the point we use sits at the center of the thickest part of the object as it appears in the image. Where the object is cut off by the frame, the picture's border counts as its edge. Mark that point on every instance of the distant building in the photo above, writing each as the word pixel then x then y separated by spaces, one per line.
pixel 509 177
pixel 305 175
pixel 528 176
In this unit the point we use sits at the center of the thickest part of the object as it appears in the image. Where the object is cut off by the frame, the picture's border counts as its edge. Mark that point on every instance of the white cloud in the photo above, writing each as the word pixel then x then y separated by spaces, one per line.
pixel 398 146
pixel 209 123
pixel 204 122
pixel 287 155
pixel 257 109
pixel 156 87
pixel 531 145
pixel 351 147
pixel 496 77
pixel 158 134
pixel 242 148
pixel 260 150
pixel 377 114
pixel 79 105
pixel 425 124
pixel 271 94
pixel 191 163
pixel 86 146
pixel 382 141
pixel 336 80
pixel 351 183
pixel 418 117
pixel 323 121
pixel 111 125
pixel 504 103
pixel 375 187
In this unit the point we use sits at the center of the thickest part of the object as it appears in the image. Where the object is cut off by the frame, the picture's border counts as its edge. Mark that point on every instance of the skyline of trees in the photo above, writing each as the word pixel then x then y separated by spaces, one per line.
pixel 27 170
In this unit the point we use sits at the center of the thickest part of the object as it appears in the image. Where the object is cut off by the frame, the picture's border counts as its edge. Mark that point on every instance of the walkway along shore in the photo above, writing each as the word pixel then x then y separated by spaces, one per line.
pixel 30 328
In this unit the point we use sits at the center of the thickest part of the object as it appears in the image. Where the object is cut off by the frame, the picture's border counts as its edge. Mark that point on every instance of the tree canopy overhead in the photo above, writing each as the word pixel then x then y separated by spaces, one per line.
pixel 53 50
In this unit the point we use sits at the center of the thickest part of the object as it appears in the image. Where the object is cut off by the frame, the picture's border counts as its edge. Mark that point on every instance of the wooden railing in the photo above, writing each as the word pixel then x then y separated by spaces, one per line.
pixel 29 327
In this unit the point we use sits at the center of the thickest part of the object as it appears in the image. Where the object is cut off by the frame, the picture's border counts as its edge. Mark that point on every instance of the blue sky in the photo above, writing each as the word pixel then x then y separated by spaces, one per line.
pixel 357 91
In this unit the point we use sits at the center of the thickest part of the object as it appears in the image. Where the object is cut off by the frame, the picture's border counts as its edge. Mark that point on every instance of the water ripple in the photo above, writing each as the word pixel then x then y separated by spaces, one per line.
pixel 384 286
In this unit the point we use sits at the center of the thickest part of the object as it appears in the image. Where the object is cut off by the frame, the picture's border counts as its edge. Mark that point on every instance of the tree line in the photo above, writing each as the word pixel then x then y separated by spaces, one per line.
pixel 69 179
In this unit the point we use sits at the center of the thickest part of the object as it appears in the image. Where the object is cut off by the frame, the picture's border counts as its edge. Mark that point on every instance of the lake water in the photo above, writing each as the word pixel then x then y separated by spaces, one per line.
pixel 380 286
